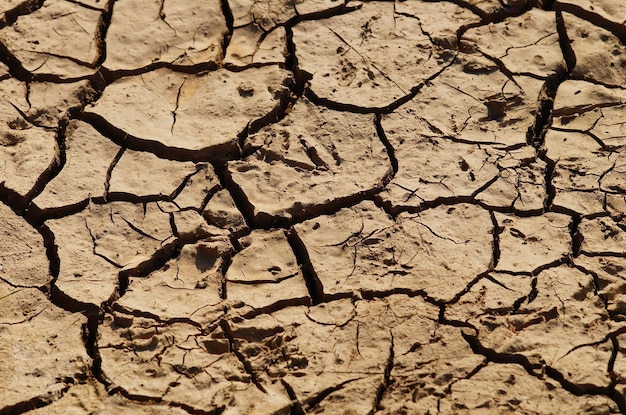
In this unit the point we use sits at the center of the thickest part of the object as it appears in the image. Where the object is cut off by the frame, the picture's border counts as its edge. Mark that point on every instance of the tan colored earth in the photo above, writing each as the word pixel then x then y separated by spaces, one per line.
pixel 290 207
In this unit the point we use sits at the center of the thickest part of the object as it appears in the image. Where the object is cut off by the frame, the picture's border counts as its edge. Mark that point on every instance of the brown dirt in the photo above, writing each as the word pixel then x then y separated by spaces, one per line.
pixel 312 206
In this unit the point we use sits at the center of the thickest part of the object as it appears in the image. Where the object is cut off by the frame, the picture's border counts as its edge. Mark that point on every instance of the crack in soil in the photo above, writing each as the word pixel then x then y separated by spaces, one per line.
pixel 379 274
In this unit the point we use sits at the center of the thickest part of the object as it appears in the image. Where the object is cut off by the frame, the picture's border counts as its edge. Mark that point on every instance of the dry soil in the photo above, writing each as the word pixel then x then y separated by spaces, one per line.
pixel 312 206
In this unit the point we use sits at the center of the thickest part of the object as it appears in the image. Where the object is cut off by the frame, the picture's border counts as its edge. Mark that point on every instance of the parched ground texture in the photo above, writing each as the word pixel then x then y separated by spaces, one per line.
pixel 312 206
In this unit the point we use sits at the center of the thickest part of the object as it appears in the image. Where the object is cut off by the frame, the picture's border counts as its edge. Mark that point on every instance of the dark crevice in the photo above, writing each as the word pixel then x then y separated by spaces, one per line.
pixel 238 196
pixel 33 403
pixel 210 193
pixel 85 5
pixel 391 152
pixel 279 112
pixel 599 82
pixel 123 281
pixel 581 109
pixel 195 411
pixel 464 325
pixel 266 281
pixel 617 397
pixel 111 76
pixel 573 213
pixel 249 313
pixel 107 179
pixel 518 303
pixel 180 88
pixel 13 199
pixel 296 408
pixel 39 215
pixel 515 273
pixel 224 151
pixel 101 32
pixel 130 197
pixel 467 288
pixel 147 400
pixel 313 283
pixel 230 21
pixel 576 389
pixel 156 261
pixel 339 106
pixel 90 335
pixel 618 254
pixel 526 213
pixel 474 9
pixel 48 174
pixel 116 307
pixel 291 60
pixel 505 71
pixel 17 70
pixel 23 8
pixel 377 294
pixel 485 186
pixel 315 400
pixel 134 397
pixel 210 190
pixel 617 29
pixel 382 388
pixel 295 87
pixel 577 238
pixel 532 295
pixel 228 260
pixel 228 332
pixel 296 214
pixel 565 259
pixel 597 286
pixel 387 206
pixel 614 353
pixel 616 378
pixel 341 8
pixel 536 369
pixel 549 175
pixel 493 356
pixel 495 233
pixel 172 224
pixel 535 135
pixel 543 118
pixel 395 210
pixel 10 199
pixel 69 58
pixel 218 153
pixel 52 252
pixel 565 43
pixel 506 11
pixel 385 109
pixel 240 68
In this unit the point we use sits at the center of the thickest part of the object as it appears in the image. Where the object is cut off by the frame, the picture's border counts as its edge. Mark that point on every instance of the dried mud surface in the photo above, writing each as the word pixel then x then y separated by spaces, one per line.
pixel 312 206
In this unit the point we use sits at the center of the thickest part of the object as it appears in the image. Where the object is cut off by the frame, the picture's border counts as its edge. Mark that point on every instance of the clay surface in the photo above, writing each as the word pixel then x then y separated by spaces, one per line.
pixel 312 207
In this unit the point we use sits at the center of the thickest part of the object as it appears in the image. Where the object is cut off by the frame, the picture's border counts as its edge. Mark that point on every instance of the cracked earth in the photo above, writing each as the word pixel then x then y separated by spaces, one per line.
pixel 312 206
